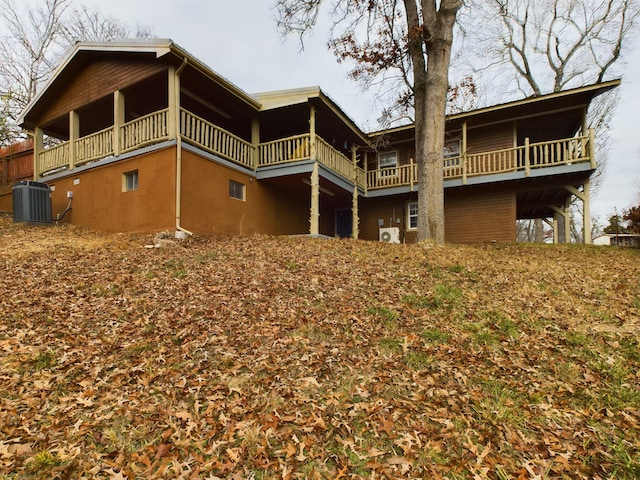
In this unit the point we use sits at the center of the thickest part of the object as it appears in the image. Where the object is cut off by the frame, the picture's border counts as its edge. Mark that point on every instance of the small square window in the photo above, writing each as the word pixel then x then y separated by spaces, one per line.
pixel 412 216
pixel 236 190
pixel 130 181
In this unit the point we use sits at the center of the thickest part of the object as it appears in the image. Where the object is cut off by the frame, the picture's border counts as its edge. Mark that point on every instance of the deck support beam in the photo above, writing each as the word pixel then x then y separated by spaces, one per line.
pixel 585 197
pixel 255 141
pixel 562 228
pixel 355 231
pixel 314 220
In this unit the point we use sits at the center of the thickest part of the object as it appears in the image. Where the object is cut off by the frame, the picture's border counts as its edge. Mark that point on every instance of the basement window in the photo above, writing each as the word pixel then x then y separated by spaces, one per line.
pixel 412 215
pixel 130 181
pixel 236 190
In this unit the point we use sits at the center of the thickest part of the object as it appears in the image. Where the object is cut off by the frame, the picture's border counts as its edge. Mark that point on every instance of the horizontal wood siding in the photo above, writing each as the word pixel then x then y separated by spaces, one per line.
pixel 97 80
pixel 480 215
pixel 494 137
pixel 393 213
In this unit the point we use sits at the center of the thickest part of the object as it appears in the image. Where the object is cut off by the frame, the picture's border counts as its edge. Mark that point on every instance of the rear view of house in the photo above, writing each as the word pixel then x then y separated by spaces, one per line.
pixel 143 136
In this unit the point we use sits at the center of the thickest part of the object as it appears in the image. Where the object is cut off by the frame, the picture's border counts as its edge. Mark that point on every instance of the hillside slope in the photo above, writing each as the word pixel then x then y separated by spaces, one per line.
pixel 261 357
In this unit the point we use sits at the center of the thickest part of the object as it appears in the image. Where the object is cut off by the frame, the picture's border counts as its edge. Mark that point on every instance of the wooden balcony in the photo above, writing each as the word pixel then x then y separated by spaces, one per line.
pixel 154 128
pixel 525 158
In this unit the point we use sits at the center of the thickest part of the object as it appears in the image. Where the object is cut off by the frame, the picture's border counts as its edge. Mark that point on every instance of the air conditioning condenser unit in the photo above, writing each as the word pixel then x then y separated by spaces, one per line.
pixel 390 235
pixel 31 202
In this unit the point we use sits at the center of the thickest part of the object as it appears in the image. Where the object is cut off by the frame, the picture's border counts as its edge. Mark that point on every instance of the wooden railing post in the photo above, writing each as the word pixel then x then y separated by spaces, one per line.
pixel 312 133
pixel 38 142
pixel 118 120
pixel 74 131
pixel 526 157
pixel 592 149
pixel 255 142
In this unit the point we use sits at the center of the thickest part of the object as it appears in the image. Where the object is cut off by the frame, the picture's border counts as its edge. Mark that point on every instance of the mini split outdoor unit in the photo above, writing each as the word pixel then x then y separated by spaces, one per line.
pixel 390 235
pixel 31 202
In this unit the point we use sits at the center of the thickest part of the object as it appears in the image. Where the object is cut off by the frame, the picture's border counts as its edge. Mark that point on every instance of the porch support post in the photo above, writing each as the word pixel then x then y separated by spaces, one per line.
pixel 556 233
pixel 312 132
pixel 354 202
pixel 586 212
pixel 584 197
pixel 553 224
pixel 561 219
pixel 38 142
pixel 567 221
pixel 74 132
pixel 314 220
pixel 173 96
pixel 463 147
pixel 592 148
pixel 255 141
pixel 118 120
pixel 366 174
pixel 527 160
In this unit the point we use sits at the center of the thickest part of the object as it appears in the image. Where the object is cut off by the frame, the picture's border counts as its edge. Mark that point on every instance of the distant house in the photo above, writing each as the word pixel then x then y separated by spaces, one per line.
pixel 618 239
pixel 145 137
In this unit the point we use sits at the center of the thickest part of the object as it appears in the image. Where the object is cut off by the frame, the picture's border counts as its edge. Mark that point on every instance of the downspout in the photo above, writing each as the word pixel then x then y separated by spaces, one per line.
pixel 179 150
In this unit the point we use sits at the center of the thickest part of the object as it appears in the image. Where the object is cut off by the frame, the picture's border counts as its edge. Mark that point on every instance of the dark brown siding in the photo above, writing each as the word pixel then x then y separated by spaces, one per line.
pixel 97 80
pixel 494 137
pixel 480 215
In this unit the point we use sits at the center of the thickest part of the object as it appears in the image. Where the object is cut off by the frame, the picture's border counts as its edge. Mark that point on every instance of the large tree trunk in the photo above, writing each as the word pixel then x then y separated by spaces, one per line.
pixel 431 82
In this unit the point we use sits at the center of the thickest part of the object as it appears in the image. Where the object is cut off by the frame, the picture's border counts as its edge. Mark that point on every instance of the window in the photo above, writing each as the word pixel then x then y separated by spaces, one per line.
pixel 236 190
pixel 130 181
pixel 412 215
pixel 452 153
pixel 387 163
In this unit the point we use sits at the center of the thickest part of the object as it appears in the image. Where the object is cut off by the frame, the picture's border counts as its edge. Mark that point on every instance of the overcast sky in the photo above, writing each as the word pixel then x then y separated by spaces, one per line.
pixel 238 40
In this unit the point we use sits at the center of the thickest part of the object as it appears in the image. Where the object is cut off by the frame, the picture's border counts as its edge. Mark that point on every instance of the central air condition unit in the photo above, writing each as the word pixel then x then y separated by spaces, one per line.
pixel 390 235
pixel 31 202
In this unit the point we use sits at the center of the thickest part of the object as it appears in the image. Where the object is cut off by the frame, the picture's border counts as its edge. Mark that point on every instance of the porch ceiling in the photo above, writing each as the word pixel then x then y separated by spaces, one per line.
pixel 298 188
pixel 535 197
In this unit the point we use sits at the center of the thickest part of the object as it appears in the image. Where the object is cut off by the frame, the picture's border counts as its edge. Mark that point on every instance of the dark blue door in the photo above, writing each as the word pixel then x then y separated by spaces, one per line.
pixel 344 223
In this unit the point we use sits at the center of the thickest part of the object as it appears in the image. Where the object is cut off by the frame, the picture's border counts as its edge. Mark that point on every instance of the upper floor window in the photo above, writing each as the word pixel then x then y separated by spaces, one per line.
pixel 452 153
pixel 387 163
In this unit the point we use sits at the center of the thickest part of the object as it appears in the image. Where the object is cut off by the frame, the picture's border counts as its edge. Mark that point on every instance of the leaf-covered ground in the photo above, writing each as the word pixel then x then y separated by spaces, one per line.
pixel 260 357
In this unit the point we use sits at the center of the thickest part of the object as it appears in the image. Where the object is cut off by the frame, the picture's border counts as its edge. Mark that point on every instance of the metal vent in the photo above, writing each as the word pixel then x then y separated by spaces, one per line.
pixel 31 202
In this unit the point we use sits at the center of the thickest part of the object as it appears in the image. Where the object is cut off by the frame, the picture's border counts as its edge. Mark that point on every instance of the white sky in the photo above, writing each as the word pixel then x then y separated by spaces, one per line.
pixel 238 40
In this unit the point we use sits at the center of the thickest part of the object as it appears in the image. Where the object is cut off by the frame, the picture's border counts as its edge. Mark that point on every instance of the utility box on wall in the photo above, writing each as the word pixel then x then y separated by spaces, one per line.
pixel 31 202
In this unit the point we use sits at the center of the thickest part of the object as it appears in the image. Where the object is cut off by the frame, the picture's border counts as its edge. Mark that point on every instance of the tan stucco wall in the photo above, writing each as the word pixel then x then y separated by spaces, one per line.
pixel 100 204
pixel 208 209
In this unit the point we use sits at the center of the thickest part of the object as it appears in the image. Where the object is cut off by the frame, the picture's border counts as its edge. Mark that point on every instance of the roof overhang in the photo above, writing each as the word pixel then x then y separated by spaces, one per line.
pixel 297 96
pixel 577 97
pixel 158 47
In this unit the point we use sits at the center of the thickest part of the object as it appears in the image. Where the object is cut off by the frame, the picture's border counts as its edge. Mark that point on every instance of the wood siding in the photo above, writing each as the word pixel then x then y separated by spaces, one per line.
pixel 480 215
pixel 486 139
pixel 472 215
pixel 99 79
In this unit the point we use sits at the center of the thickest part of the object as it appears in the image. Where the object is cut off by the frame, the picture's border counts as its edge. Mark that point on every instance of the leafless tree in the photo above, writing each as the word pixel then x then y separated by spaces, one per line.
pixel 37 36
pixel 407 40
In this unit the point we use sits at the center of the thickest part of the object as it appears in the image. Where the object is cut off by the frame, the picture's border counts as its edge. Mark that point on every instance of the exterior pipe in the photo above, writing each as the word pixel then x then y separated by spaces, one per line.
pixel 179 228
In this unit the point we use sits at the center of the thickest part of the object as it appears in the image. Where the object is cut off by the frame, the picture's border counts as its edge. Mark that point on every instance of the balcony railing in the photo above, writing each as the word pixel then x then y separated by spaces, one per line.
pixel 216 140
pixel 524 158
pixel 154 128
pixel 298 148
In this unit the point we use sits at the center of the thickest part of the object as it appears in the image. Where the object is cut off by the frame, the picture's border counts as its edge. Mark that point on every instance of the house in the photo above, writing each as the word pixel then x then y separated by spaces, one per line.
pixel 618 239
pixel 142 136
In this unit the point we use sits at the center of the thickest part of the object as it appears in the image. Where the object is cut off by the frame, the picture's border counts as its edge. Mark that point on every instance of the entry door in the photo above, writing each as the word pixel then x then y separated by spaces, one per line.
pixel 344 223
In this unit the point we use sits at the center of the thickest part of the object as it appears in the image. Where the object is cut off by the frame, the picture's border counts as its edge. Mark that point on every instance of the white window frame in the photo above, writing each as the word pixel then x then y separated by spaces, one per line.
pixel 412 214
pixel 237 190
pixel 388 163
pixel 452 152
pixel 130 181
